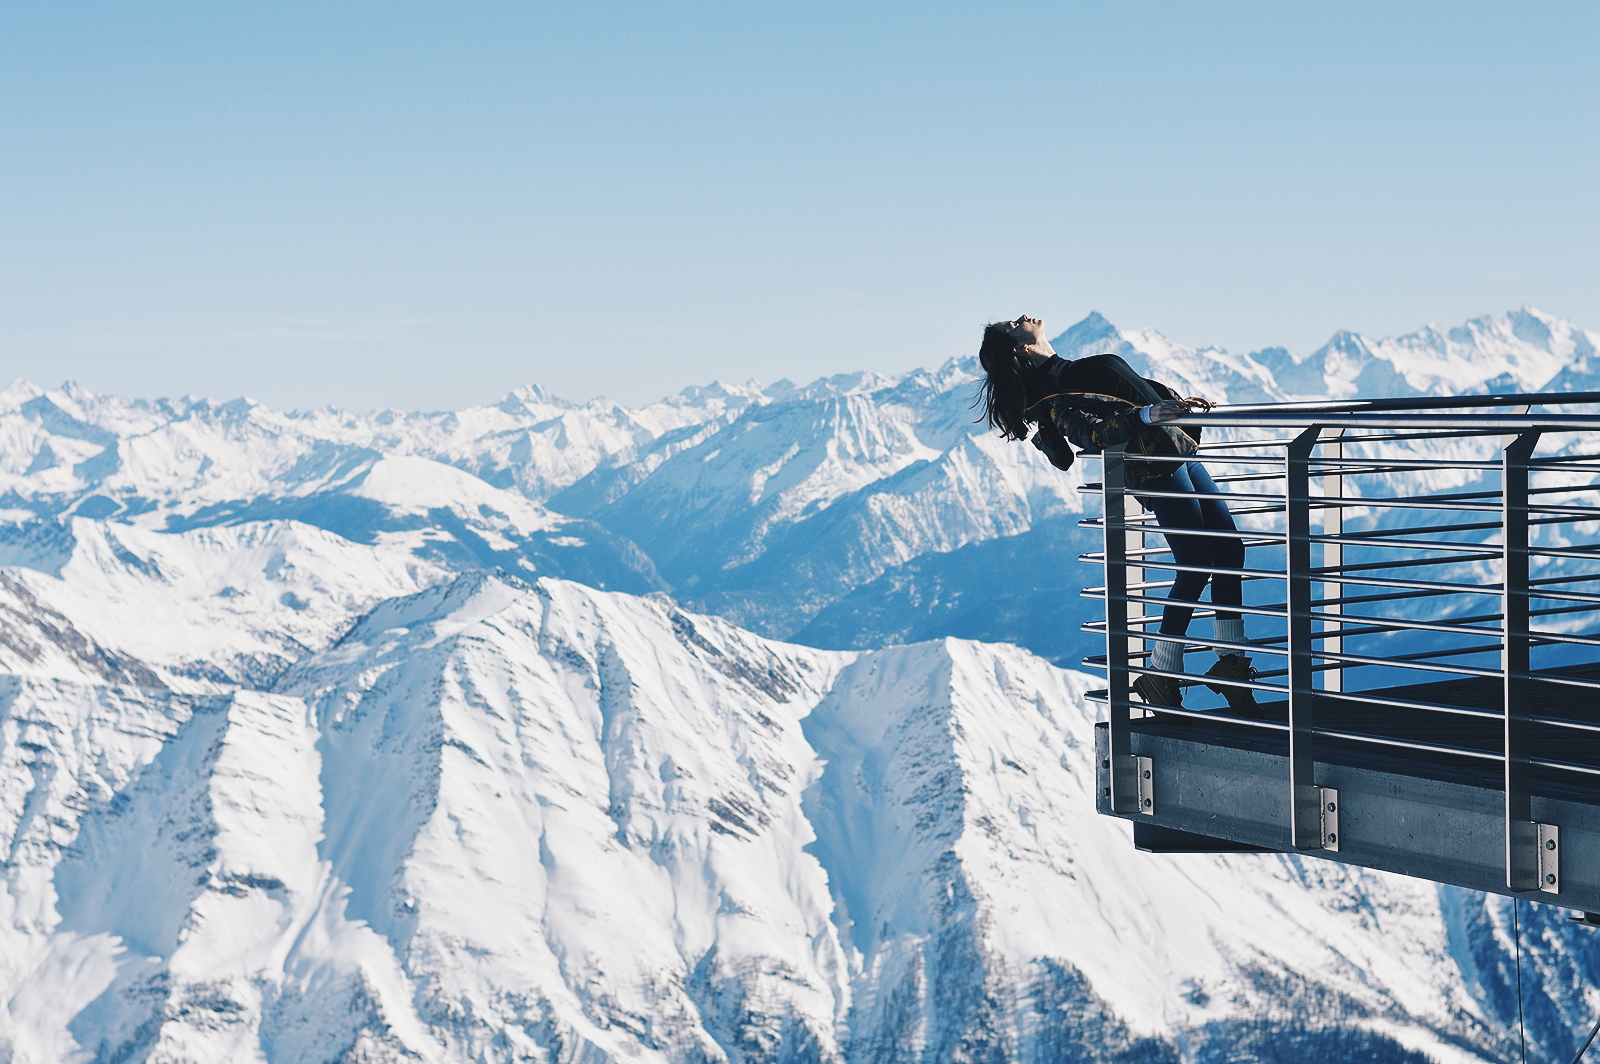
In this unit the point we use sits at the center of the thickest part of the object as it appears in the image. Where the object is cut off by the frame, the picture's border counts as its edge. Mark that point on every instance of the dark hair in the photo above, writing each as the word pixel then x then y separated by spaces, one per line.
pixel 1002 394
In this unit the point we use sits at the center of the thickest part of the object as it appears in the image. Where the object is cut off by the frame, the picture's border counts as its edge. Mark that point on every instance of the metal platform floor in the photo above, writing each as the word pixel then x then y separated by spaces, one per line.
pixel 1221 785
pixel 1551 744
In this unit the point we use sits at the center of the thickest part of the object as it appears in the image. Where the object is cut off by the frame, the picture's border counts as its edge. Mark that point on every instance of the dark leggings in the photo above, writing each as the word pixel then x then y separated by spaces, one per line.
pixel 1202 509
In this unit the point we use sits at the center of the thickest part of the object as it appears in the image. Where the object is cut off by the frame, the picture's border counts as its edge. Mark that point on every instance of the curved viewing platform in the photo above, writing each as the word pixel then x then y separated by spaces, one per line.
pixel 1423 606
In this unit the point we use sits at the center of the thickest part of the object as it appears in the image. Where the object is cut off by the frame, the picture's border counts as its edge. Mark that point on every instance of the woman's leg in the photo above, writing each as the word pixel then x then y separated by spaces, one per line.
pixel 1203 509
pixel 1173 514
pixel 1227 552
pixel 1167 655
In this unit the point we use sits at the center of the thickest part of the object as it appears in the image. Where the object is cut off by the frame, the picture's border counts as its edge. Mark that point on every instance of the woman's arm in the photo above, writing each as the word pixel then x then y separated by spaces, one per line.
pixel 1095 432
pixel 1091 432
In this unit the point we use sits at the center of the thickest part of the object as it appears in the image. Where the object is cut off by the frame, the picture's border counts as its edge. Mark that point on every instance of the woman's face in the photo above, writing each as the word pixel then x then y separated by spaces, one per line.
pixel 1028 332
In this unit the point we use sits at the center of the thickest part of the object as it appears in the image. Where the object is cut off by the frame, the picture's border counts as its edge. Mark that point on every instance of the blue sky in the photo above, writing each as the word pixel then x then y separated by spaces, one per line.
pixel 424 205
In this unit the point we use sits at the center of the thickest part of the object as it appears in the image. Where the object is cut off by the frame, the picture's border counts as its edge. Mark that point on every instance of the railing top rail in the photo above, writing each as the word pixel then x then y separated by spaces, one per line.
pixel 1420 402
pixel 1486 424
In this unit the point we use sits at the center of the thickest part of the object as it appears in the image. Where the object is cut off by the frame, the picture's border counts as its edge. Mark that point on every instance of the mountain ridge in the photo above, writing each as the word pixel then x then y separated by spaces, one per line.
pixel 771 506
pixel 327 737
pixel 680 842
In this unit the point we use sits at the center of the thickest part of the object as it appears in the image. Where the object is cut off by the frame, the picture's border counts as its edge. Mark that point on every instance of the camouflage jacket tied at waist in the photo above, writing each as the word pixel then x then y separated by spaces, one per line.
pixel 1092 422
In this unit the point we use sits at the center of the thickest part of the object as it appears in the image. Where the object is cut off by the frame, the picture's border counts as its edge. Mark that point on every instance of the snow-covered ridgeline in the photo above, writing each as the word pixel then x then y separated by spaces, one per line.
pixel 762 505
pixel 176 457
pixel 507 821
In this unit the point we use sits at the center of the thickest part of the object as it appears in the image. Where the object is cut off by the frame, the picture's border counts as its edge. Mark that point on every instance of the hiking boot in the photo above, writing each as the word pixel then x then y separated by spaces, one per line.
pixel 1159 691
pixel 1241 700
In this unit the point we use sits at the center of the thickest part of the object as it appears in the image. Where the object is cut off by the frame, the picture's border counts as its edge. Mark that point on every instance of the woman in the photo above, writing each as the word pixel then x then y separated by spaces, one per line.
pixel 1096 402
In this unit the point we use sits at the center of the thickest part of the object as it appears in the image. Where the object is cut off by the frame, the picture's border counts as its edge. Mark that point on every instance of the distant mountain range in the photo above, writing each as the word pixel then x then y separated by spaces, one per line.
pixel 819 513
pixel 714 730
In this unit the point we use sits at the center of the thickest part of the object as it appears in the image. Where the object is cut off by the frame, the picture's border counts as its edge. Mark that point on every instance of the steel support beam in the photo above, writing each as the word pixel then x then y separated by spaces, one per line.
pixel 1332 560
pixel 1305 802
pixel 1136 575
pixel 1121 771
pixel 1522 834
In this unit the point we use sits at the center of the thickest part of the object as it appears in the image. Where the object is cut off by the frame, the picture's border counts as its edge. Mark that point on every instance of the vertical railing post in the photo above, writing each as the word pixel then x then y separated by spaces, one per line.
pixel 1522 840
pixel 1133 566
pixel 1332 561
pixel 1124 786
pixel 1305 828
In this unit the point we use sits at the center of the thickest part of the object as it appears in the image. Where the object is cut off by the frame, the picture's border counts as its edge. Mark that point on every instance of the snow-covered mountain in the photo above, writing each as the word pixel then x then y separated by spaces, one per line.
pixel 785 509
pixel 467 736
pixel 821 516
pixel 465 487
pixel 497 820
pixel 1522 351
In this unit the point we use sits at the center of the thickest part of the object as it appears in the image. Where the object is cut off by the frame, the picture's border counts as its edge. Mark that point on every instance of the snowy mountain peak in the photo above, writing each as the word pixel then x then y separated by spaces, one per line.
pixel 1519 351
pixel 1523 350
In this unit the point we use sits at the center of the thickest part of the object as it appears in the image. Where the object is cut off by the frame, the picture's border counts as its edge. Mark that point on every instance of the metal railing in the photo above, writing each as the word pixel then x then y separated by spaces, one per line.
pixel 1422 582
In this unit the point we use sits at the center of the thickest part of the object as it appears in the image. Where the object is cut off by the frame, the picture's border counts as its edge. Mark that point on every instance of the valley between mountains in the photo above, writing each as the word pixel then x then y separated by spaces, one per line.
pixel 742 727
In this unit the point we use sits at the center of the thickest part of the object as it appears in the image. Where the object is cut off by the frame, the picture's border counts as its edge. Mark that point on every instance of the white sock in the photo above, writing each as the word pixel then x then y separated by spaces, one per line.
pixel 1168 657
pixel 1230 630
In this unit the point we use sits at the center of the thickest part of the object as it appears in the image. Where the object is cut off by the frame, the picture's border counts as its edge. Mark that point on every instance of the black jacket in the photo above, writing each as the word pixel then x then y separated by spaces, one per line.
pixel 1093 403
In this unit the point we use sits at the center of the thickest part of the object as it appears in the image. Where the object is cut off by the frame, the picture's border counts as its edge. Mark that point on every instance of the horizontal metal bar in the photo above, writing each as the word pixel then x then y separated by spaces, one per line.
pixel 1465 625
pixel 1580 607
pixel 1563 639
pixel 1186 679
pixel 1250 539
pixel 1263 502
pixel 1564 766
pixel 1269 644
pixel 1341 574
pixel 1367 628
pixel 1481 425
pixel 1430 402
pixel 1358 538
pixel 1401 465
pixel 1451 589
pixel 1249 611
pixel 1418 664
pixel 1571 458
pixel 1099 698
pixel 1392 435
pixel 1447 503
pixel 1427 544
pixel 1458 670
pixel 1410 744
pixel 1407 703
pixel 1372 699
pixel 1426 655
pixel 1402 595
pixel 1348 438
pixel 1547 580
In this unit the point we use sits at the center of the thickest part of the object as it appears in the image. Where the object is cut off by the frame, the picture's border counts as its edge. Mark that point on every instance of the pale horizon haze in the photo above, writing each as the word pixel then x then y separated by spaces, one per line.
pixel 423 206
